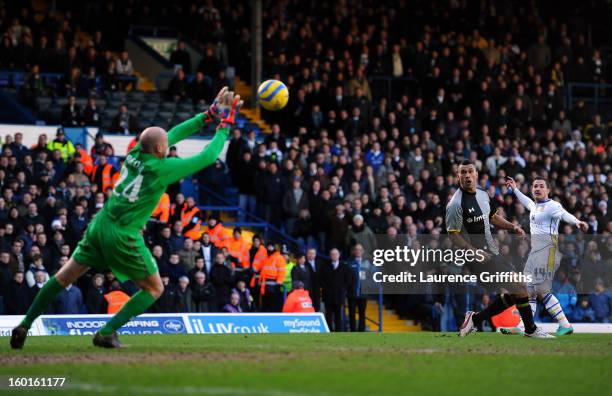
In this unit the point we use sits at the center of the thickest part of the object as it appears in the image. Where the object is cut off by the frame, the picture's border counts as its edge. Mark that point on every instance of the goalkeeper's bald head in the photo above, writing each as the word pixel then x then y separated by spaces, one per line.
pixel 154 140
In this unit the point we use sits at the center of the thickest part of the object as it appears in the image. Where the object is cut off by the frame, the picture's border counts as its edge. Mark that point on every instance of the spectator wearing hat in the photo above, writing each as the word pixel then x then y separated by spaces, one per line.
pixel 63 145
pixel 360 233
pixel 298 301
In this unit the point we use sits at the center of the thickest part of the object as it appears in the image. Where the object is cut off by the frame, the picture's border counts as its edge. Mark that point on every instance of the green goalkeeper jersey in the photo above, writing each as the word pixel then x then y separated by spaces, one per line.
pixel 144 178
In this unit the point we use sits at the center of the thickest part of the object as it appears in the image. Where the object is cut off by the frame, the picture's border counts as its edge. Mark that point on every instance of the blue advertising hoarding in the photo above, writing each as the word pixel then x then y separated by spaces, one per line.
pixel 195 323
pixel 258 323
pixel 89 324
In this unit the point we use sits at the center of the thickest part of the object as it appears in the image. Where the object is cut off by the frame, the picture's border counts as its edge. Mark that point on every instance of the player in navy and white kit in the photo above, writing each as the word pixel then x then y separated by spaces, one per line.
pixel 544 258
pixel 468 220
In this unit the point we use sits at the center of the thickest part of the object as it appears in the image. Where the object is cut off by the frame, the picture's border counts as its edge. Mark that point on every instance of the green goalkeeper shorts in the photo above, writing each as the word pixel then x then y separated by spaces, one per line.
pixel 122 249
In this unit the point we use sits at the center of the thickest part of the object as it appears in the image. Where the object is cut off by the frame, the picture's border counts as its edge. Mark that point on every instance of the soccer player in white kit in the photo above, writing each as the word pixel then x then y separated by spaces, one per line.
pixel 544 259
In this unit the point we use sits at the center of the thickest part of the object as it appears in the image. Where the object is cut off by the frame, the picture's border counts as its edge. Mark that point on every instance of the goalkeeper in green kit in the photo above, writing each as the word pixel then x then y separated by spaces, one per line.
pixel 114 239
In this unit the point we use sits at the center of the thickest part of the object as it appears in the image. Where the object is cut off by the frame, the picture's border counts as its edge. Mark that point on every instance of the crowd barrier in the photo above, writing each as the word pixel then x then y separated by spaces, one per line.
pixel 183 323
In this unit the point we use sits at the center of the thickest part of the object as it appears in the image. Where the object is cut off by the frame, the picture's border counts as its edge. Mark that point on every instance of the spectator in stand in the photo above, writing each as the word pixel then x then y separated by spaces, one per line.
pixel 178 87
pixel 185 295
pixel 71 113
pixel 124 122
pixel 36 268
pixel 222 279
pixel 187 255
pixel 601 303
pixel 17 147
pixel 17 296
pixel 335 279
pixel 294 201
pixel 124 68
pixel 175 270
pixel 69 301
pixel 95 301
pixel 360 268
pixel 234 304
pixel 246 300
pixel 180 56
pixel 62 144
pixel 91 113
pixel 203 294
pixel 200 91
pixel 115 298
pixel 169 301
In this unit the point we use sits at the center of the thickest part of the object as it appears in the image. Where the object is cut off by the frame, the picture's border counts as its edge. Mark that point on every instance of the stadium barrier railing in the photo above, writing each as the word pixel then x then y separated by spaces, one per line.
pixel 592 93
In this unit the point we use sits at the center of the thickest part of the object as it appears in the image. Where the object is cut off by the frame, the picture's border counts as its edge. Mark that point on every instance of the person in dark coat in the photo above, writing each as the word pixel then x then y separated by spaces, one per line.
pixel 169 300
pixel 314 265
pixel 222 279
pixel 243 177
pixel 203 294
pixel 95 301
pixel 180 56
pixel 17 297
pixel 302 272
pixel 185 295
pixel 273 190
pixel 336 279
pixel 294 200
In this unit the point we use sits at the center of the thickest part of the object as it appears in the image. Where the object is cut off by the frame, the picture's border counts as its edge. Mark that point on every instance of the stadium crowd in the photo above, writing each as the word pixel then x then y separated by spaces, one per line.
pixel 348 159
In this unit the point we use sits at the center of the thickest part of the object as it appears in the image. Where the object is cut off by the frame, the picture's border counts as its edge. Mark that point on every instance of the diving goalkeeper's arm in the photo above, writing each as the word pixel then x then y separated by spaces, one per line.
pixel 177 168
pixel 210 117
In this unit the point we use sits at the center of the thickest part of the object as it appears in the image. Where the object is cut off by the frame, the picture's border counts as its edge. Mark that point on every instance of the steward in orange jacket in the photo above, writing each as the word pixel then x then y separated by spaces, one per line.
pixel 218 233
pixel 273 268
pixel 257 256
pixel 116 298
pixel 104 175
pixel 191 217
pixel 162 210
pixel 86 160
pixel 298 300
pixel 238 248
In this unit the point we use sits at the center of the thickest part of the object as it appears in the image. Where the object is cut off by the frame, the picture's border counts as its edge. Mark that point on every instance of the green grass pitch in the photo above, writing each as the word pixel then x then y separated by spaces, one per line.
pixel 319 364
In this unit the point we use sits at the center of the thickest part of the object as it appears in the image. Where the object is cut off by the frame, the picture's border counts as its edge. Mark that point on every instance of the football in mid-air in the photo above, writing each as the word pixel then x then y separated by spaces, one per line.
pixel 272 95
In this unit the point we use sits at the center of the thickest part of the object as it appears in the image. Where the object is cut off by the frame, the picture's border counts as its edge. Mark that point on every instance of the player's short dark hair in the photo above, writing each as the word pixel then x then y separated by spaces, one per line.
pixel 466 162
pixel 542 178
